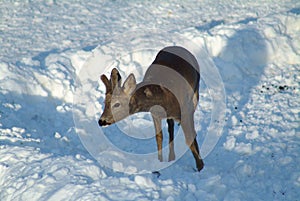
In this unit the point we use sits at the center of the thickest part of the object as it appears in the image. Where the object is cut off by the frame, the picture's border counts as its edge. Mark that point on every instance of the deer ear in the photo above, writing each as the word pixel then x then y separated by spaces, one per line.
pixel 129 84
pixel 115 78
pixel 106 83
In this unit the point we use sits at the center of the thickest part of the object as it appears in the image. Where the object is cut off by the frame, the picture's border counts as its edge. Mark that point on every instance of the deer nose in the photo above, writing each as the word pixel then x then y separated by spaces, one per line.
pixel 102 122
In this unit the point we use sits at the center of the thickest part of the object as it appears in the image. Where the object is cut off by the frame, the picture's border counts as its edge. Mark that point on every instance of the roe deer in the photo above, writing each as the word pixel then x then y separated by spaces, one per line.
pixel 169 91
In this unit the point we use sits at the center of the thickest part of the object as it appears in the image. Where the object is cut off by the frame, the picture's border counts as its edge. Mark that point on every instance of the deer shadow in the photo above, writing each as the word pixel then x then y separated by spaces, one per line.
pixel 241 64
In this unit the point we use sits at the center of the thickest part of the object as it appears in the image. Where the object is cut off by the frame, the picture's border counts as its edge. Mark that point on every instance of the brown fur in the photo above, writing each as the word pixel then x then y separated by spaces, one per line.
pixel 169 91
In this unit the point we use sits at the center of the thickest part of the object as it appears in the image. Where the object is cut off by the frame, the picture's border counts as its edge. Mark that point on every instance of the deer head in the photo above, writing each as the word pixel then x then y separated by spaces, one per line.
pixel 117 97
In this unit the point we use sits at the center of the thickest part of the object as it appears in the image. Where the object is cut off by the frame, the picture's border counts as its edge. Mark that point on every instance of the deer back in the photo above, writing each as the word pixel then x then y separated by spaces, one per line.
pixel 177 70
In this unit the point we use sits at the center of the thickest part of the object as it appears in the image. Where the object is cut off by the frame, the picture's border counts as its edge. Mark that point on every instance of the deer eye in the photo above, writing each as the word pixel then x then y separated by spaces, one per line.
pixel 116 105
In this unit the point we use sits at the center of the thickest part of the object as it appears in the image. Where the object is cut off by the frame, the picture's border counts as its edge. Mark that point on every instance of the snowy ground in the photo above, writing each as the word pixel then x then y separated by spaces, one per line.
pixel 255 46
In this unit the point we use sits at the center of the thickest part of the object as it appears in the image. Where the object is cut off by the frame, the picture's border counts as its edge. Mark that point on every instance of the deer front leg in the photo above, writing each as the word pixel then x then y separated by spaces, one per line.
pixel 158 136
pixel 171 139
pixel 190 138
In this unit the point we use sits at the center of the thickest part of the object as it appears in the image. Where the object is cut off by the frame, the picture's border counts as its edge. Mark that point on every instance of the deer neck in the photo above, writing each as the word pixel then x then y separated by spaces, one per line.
pixel 145 97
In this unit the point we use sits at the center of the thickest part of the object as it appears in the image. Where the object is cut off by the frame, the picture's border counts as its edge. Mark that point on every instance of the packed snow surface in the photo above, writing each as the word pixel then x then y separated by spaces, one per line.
pixel 45 47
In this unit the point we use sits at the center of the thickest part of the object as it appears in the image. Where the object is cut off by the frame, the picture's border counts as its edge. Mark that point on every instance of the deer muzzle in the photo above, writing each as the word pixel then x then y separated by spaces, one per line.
pixel 103 122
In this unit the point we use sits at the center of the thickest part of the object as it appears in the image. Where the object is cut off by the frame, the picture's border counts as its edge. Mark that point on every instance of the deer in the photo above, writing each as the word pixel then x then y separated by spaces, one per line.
pixel 169 90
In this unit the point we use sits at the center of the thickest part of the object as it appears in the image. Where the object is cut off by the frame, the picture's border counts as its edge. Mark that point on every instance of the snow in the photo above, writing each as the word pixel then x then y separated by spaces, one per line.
pixel 52 54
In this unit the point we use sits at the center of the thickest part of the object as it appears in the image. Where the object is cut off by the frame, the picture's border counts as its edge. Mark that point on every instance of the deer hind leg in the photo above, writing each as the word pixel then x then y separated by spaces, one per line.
pixel 171 139
pixel 158 136
pixel 195 150
pixel 190 138
pixel 195 99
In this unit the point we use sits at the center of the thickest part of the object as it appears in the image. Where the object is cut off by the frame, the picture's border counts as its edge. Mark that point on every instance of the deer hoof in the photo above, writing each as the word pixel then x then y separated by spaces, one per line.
pixel 160 158
pixel 200 165
pixel 171 157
